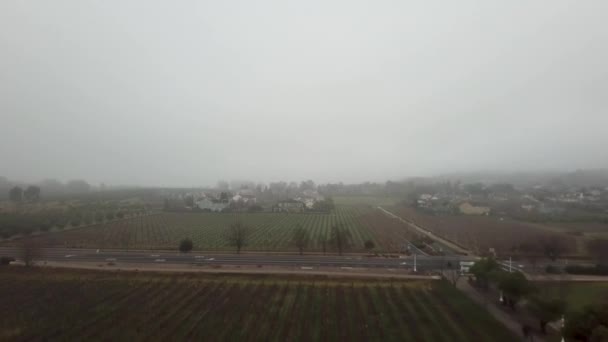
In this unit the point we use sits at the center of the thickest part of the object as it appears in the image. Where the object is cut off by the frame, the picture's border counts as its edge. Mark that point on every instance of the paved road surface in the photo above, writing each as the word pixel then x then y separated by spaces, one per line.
pixel 91 255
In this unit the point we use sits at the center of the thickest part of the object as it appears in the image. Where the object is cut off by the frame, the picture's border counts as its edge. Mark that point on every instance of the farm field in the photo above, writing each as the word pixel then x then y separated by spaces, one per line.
pixel 269 231
pixel 49 304
pixel 480 233
pixel 577 294
pixel 365 200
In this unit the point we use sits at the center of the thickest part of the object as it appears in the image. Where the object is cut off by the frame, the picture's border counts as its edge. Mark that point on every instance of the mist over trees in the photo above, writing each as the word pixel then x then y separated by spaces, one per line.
pixel 17 191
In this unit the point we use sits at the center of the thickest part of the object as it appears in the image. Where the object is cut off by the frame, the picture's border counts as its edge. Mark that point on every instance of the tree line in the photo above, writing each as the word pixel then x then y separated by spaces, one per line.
pixel 339 239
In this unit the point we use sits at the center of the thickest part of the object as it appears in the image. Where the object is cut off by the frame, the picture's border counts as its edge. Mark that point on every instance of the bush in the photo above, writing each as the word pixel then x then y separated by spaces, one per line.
pixel 586 270
pixel 185 245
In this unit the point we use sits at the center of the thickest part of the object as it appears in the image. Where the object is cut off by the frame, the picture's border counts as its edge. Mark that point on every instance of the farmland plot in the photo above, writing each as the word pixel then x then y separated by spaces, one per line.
pixel 269 231
pixel 479 233
pixel 80 305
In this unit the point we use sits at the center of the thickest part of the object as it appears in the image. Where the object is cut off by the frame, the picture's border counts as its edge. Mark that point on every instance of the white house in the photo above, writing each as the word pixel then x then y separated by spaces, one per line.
pixel 212 205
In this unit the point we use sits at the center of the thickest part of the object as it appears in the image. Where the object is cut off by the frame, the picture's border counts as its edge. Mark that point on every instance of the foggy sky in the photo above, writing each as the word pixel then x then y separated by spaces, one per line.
pixel 189 92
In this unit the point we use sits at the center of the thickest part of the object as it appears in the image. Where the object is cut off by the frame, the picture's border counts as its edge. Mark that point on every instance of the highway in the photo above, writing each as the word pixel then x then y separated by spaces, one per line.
pixel 166 257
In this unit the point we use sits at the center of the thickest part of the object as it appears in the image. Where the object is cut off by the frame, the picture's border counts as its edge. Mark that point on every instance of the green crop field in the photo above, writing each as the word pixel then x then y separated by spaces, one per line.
pixel 67 305
pixel 268 231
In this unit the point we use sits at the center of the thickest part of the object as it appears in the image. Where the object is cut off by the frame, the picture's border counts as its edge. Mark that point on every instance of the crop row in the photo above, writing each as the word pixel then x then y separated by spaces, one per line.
pixel 268 231
pixel 116 308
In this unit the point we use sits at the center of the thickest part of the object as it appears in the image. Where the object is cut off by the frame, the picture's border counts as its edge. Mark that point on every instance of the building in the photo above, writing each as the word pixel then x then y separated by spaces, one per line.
pixel 465 266
pixel 289 206
pixel 214 205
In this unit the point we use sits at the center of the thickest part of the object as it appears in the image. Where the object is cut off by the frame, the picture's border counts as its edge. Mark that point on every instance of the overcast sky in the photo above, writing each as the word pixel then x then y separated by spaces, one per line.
pixel 189 92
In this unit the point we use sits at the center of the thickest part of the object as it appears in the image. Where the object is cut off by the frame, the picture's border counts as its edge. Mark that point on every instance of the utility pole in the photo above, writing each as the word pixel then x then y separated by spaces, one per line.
pixel 415 270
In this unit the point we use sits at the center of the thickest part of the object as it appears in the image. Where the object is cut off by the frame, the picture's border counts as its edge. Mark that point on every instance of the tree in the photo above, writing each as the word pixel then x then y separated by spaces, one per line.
pixel 452 274
pixel 44 226
pixel 531 252
pixel 307 185
pixel 475 189
pixel 109 215
pixel 30 251
pixel 189 201
pixel 126 237
pixel 75 221
pixel 185 245
pixel 99 217
pixel 514 286
pixel 599 334
pixel 369 245
pixel 77 187
pixel 552 247
pixel 340 239
pixel 546 309
pixel 588 323
pixel 325 205
pixel 237 236
pixel 323 242
pixel 87 218
pixel 301 238
pixel 484 270
pixel 224 196
pixel 16 194
pixel 32 193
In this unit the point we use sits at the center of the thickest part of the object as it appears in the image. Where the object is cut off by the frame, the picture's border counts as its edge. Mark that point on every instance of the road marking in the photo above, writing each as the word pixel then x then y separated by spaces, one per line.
pixel 111 259
pixel 159 260
pixel 154 255
pixel 210 259
pixel 306 268
pixel 199 257
pixel 346 268
pixel 70 255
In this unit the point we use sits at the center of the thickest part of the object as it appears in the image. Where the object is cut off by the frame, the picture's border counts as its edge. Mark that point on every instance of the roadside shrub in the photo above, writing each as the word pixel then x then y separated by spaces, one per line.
pixel 185 245
pixel 586 270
